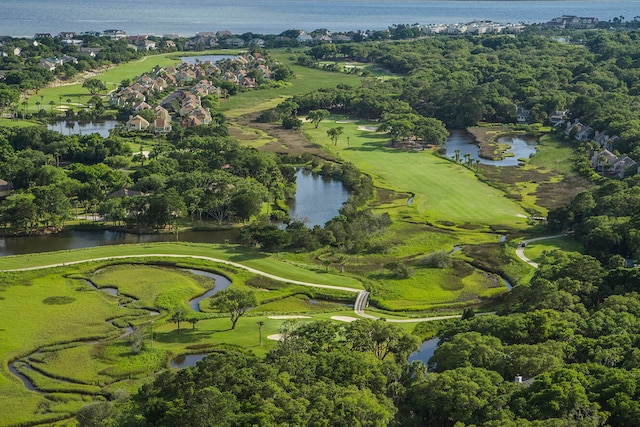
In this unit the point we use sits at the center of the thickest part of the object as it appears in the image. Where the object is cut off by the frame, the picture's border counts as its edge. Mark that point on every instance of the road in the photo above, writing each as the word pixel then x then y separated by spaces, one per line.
pixel 362 296
pixel 520 249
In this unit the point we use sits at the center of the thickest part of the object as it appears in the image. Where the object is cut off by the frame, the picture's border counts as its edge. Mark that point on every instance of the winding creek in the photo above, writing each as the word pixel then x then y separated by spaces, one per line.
pixel 220 283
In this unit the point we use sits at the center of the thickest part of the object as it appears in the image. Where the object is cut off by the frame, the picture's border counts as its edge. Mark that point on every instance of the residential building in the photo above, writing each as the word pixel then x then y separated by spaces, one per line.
pixel 137 123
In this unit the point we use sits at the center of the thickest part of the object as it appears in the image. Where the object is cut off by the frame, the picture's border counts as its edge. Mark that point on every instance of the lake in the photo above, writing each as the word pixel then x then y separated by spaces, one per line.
pixel 522 146
pixel 27 17
pixel 72 127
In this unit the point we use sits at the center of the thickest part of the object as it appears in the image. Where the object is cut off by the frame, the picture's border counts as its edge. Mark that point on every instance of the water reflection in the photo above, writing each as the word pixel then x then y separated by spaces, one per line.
pixel 522 146
pixel 73 127
pixel 318 198
pixel 85 239
pixel 187 360
pixel 425 351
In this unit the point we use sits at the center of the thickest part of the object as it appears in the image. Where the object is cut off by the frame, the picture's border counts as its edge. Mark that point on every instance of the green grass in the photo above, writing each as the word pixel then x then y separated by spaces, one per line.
pixel 153 286
pixel 30 322
pixel 8 123
pixel 553 154
pixel 444 191
pixel 534 250
pixel 262 262
pixel 431 288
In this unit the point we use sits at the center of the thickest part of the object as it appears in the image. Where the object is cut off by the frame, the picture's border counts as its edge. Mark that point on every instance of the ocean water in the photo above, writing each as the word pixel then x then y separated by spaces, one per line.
pixel 187 17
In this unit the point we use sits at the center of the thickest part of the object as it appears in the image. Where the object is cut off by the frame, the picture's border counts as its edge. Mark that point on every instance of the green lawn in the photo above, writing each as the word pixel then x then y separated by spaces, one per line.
pixel 444 191
pixel 534 250
pixel 54 308
pixel 260 261
pixel 8 123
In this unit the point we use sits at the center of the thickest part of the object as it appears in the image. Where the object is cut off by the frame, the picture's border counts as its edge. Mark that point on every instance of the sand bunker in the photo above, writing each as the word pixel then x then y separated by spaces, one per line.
pixel 275 337
pixel 368 128
pixel 346 121
pixel 344 318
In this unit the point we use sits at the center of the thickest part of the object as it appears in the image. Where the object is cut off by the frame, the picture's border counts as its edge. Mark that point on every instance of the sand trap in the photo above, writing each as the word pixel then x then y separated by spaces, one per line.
pixel 521 216
pixel 275 337
pixel 344 318
pixel 289 317
pixel 368 128
pixel 346 121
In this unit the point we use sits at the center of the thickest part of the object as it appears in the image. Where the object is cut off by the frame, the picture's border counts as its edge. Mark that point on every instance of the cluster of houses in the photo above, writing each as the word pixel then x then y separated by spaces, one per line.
pixel 474 27
pixel 602 158
pixel 190 83
pixel 572 22
pixel 52 63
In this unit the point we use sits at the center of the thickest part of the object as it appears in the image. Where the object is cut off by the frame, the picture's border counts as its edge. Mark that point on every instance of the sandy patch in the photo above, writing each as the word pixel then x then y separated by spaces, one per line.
pixel 344 318
pixel 346 121
pixel 289 317
pixel 521 216
pixel 275 337
pixel 368 128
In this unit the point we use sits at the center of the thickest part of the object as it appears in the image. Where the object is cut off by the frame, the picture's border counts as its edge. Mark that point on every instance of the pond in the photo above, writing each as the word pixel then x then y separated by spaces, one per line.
pixel 522 146
pixel 317 199
pixel 72 127
pixel 425 351
pixel 204 58
pixel 187 360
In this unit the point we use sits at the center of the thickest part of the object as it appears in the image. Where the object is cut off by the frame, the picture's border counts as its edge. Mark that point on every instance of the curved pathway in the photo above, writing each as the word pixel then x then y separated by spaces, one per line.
pixel 520 249
pixel 361 302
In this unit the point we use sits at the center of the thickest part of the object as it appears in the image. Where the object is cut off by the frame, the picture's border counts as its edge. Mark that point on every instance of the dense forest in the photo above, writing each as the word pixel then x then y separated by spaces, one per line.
pixel 464 80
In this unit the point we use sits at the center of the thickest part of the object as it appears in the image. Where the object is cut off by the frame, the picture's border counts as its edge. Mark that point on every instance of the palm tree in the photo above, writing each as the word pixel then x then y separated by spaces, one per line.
pixel 457 155
pixel 477 165
pixel 51 104
pixel 260 325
